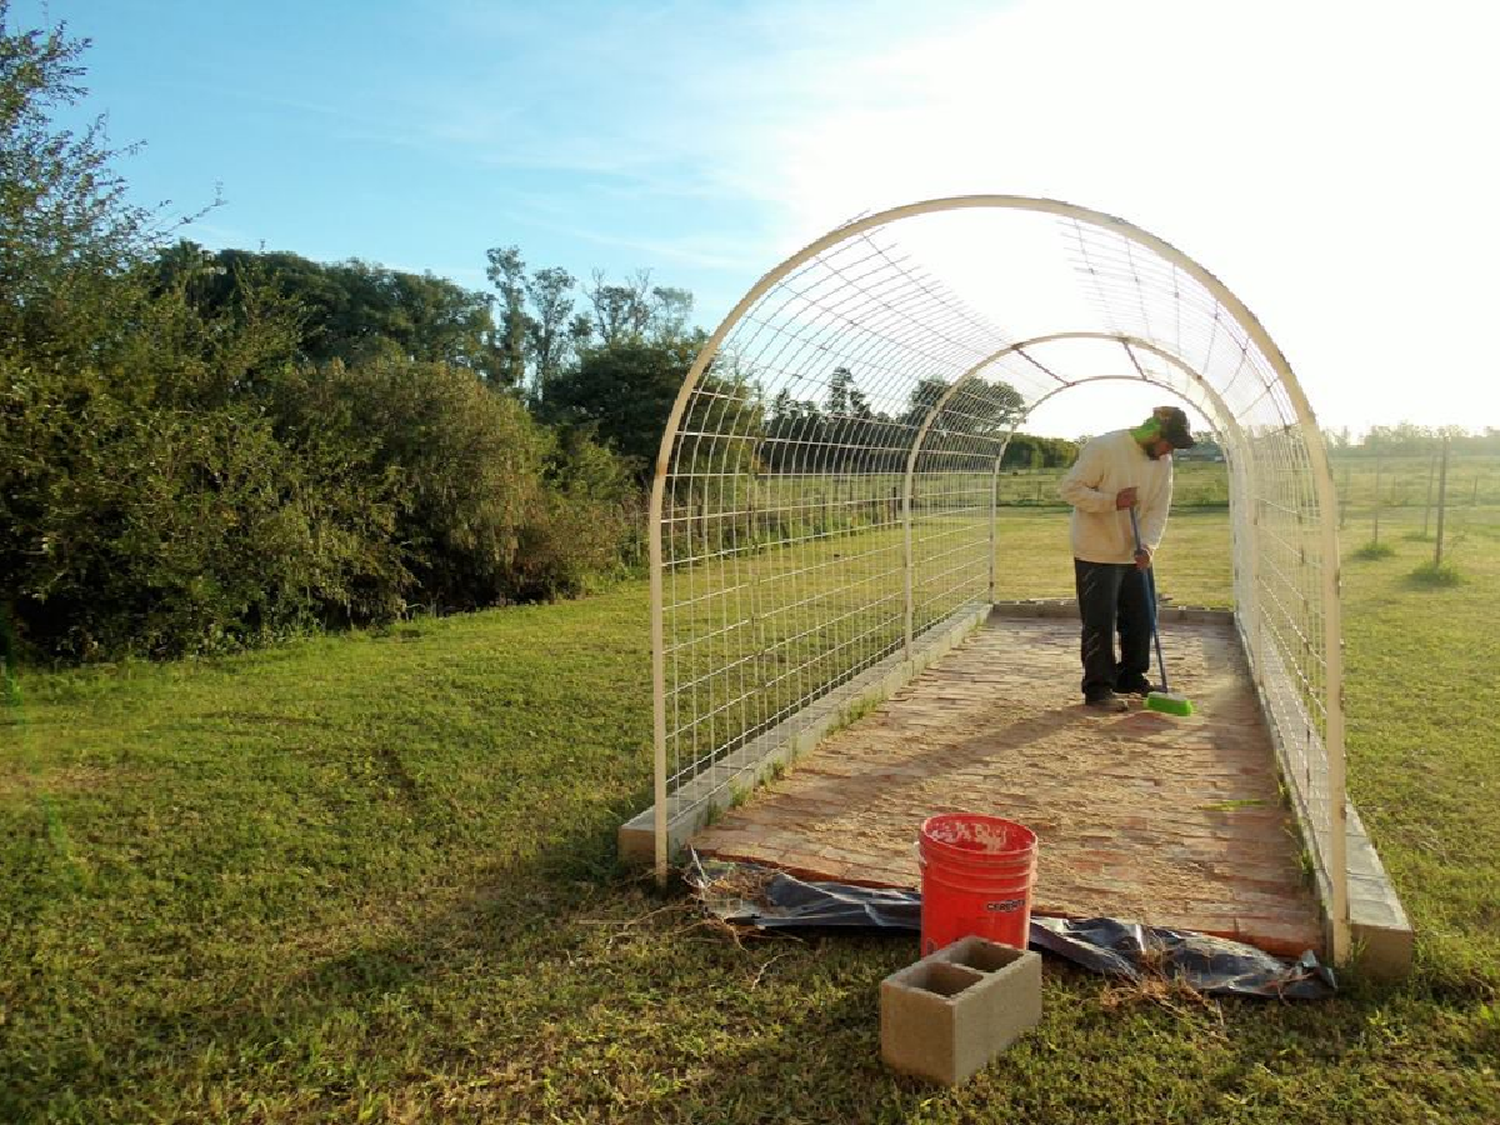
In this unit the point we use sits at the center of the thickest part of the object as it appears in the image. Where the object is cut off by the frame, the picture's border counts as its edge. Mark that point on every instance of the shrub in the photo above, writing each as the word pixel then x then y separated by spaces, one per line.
pixel 128 527
pixel 463 466
pixel 587 525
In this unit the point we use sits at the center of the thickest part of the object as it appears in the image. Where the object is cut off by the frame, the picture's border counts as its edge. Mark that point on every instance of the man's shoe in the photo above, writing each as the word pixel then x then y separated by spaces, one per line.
pixel 1141 687
pixel 1110 703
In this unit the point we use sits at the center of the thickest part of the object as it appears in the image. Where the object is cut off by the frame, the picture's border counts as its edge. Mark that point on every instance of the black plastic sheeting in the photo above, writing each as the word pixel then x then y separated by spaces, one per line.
pixel 744 894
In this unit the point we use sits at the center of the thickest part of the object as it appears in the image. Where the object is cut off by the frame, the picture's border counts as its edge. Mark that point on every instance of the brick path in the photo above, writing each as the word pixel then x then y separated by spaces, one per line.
pixel 1168 821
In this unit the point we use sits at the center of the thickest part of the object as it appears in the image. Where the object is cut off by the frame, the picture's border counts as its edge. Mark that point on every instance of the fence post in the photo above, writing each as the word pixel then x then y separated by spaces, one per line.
pixel 1376 539
pixel 994 520
pixel 1427 511
pixel 908 567
pixel 1437 558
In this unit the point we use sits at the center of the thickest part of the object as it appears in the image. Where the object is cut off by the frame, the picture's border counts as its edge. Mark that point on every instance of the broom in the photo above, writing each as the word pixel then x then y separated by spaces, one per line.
pixel 1165 701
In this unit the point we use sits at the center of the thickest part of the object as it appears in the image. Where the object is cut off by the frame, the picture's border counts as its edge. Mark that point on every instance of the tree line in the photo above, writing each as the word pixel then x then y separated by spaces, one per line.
pixel 1411 439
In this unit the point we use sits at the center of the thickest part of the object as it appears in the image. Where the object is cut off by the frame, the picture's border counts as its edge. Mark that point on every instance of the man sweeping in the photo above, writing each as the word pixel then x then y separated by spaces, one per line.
pixel 1115 472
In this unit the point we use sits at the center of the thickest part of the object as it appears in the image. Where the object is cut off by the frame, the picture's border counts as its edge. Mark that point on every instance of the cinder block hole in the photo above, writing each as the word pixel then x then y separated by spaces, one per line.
pixel 943 978
pixel 987 958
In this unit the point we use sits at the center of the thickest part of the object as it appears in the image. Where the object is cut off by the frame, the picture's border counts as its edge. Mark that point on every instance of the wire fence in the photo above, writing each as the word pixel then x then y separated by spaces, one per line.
pixel 1405 481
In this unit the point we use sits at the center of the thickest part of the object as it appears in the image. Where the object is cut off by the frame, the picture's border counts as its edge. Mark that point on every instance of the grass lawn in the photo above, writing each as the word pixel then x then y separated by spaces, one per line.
pixel 372 878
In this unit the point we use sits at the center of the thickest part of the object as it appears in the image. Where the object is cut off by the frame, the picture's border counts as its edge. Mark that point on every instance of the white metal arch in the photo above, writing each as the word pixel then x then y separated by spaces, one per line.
pixel 849 298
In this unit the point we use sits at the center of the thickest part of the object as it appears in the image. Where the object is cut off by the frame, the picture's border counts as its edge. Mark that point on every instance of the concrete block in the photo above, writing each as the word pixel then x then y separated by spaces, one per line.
pixel 948 1015
pixel 1383 953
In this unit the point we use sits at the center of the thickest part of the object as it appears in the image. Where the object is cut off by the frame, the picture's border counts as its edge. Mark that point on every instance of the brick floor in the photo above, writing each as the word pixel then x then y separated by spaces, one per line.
pixel 1169 821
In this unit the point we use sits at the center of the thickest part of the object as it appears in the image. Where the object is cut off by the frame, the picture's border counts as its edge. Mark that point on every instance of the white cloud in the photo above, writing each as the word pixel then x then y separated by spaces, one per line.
pixel 1326 160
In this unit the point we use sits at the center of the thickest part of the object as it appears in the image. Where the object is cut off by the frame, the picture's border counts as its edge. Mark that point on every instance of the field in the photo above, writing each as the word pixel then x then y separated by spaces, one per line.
pixel 372 878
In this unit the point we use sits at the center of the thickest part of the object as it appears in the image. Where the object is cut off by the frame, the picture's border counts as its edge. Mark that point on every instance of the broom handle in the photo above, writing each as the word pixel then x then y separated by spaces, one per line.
pixel 1150 580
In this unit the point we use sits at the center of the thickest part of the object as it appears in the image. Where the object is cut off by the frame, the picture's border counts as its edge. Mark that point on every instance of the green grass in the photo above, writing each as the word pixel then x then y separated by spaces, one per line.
pixel 1193 566
pixel 372 878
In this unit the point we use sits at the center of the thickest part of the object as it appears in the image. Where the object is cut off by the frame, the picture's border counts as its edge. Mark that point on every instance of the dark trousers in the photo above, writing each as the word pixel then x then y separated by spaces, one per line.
pixel 1110 596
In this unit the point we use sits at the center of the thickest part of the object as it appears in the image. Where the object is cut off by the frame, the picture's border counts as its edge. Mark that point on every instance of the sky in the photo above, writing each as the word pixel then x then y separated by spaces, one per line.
pixel 1327 160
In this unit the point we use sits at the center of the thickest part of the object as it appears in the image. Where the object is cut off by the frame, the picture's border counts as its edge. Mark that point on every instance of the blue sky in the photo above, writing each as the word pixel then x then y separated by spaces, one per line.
pixel 1328 160
pixel 418 135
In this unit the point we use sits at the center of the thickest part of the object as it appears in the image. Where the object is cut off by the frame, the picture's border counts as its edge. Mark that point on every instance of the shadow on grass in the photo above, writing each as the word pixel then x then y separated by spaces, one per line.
pixel 1431 576
pixel 1372 551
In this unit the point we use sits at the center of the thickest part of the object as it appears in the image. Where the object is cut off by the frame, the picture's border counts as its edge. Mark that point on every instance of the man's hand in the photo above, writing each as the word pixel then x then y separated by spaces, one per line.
pixel 1125 498
pixel 1143 560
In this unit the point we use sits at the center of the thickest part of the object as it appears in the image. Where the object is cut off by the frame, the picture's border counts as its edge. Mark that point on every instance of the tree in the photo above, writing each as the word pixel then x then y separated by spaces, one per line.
pixel 1029 451
pixel 64 225
pixel 553 331
pixel 794 433
pixel 434 320
pixel 671 310
pixel 540 331
pixel 350 311
pixel 625 392
pixel 507 273
pixel 637 310
pixel 979 408
pixel 840 385
pixel 621 312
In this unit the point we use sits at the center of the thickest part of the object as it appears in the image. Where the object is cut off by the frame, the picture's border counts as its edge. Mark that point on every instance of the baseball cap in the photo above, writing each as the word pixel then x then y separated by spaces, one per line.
pixel 1174 427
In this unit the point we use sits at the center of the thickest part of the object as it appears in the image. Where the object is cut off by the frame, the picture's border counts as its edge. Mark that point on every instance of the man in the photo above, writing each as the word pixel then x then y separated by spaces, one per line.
pixel 1115 472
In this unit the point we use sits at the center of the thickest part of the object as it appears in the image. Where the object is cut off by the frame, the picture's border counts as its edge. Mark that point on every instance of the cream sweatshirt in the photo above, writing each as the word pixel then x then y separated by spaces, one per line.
pixel 1108 463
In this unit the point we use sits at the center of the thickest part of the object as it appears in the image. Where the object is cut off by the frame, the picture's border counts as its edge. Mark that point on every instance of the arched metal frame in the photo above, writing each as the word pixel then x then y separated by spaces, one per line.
pixel 763 619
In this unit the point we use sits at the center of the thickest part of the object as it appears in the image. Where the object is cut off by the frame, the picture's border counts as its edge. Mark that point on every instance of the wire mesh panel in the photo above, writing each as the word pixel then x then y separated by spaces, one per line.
pixel 791 525
pixel 824 500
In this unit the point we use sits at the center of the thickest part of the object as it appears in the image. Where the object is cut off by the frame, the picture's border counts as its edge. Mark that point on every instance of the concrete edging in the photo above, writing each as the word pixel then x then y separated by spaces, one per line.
pixel 1382 935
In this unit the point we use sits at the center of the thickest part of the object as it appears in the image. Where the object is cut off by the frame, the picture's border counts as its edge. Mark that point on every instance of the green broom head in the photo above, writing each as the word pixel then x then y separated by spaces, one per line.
pixel 1169 703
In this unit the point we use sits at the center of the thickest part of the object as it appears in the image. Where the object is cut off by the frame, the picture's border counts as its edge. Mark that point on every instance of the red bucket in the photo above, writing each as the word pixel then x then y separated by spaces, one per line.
pixel 977 876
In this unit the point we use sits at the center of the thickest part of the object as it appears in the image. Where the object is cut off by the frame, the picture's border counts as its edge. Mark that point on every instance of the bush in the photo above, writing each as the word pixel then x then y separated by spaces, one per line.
pixel 328 496
pixel 128 527
pixel 490 507
pixel 463 467
pixel 588 526
pixel 1435 575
